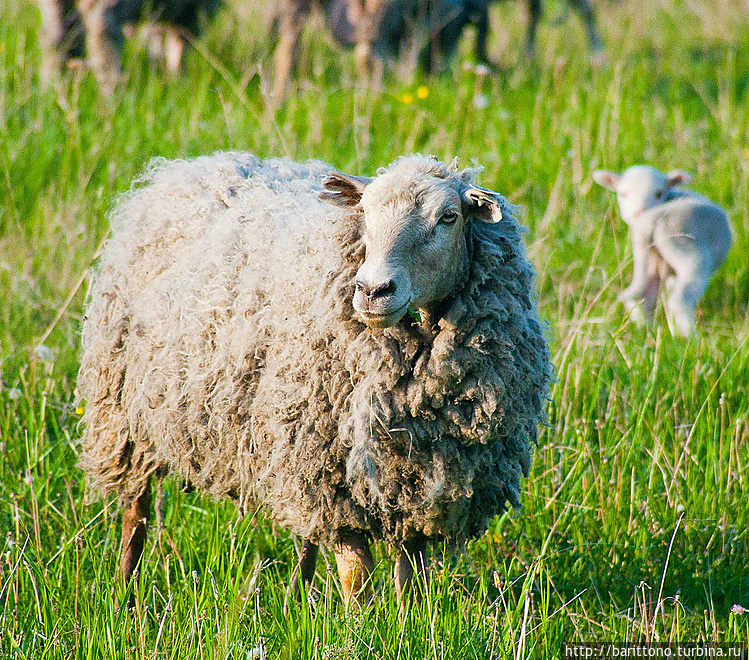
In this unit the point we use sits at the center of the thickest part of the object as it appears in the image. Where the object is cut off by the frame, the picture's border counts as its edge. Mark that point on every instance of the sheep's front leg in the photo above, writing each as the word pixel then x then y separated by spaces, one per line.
pixel 411 560
pixel 355 565
pixel 134 530
pixel 365 16
pixel 104 41
pixel 305 569
pixel 657 270
pixel 61 36
pixel 482 34
pixel 294 13
pixel 174 49
pixel 534 14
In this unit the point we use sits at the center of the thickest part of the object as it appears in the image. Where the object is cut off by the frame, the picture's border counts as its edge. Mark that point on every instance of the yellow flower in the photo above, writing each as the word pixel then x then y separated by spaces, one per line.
pixel 407 98
pixel 422 92
pixel 79 410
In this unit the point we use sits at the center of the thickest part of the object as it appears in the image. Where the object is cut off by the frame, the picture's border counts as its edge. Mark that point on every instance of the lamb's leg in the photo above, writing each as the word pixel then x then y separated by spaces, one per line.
pixel 104 41
pixel 293 15
pixel 682 302
pixel 534 15
pixel 633 295
pixel 653 285
pixel 411 559
pixel 355 565
pixel 134 529
pixel 305 569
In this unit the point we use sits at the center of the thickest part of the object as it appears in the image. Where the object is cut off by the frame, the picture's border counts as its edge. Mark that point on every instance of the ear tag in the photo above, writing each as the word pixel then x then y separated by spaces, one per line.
pixel 484 197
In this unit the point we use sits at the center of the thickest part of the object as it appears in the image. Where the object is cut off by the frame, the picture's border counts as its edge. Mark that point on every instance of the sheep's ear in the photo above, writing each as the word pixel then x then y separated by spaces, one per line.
pixel 469 174
pixel 607 179
pixel 344 190
pixel 482 204
pixel 678 178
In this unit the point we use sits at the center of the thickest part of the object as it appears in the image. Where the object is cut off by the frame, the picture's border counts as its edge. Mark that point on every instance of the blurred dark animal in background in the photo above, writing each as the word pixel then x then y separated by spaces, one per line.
pixel 476 12
pixel 95 29
pixel 353 23
pixel 381 29
pixel 376 29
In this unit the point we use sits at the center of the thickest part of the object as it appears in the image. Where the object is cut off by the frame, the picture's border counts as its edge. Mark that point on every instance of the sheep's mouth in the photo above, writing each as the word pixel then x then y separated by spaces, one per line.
pixel 384 320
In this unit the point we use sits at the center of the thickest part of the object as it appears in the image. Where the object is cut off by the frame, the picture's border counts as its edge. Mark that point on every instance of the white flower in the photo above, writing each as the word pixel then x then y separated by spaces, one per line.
pixel 481 101
pixel 44 353
pixel 258 653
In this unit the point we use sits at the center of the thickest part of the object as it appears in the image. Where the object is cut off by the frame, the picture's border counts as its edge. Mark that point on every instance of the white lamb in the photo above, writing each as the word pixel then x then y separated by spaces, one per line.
pixel 678 237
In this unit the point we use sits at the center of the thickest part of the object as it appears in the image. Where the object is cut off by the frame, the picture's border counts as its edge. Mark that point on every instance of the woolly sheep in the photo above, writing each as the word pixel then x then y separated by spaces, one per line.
pixel 246 336
pixel 678 237
pixel 94 28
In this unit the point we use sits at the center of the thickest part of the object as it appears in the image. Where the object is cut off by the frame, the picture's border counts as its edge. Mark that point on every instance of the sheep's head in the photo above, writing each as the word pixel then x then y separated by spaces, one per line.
pixel 640 187
pixel 417 214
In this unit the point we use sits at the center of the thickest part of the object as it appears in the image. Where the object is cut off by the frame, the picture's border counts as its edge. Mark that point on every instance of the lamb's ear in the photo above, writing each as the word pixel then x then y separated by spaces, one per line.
pixel 678 178
pixel 482 204
pixel 607 179
pixel 344 190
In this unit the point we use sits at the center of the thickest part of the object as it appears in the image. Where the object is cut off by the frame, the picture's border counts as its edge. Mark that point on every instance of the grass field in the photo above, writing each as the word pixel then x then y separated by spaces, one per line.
pixel 635 524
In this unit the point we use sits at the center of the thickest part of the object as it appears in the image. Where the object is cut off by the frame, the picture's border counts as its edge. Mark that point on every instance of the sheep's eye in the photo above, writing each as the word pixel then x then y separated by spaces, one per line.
pixel 448 217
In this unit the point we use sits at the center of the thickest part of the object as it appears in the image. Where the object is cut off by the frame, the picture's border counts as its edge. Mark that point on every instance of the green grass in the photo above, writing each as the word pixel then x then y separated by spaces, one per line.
pixel 636 515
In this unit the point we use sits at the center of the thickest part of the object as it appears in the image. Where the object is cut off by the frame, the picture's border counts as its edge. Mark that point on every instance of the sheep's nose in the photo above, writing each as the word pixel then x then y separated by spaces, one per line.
pixel 382 290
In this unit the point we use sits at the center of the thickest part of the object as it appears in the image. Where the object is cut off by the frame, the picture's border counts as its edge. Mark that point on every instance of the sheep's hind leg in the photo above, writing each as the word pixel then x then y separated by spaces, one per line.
pixel 305 569
pixel 412 560
pixel 134 530
pixel 585 9
pixel 355 565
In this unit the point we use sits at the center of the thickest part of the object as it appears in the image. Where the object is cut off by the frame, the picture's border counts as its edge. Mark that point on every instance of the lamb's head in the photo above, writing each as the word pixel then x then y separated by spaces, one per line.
pixel 417 217
pixel 640 187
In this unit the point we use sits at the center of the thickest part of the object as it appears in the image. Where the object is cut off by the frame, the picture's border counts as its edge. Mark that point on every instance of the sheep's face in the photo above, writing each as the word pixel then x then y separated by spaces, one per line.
pixel 415 237
pixel 640 188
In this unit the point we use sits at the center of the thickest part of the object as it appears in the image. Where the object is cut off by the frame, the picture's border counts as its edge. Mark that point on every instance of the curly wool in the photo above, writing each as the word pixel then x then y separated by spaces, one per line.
pixel 220 344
